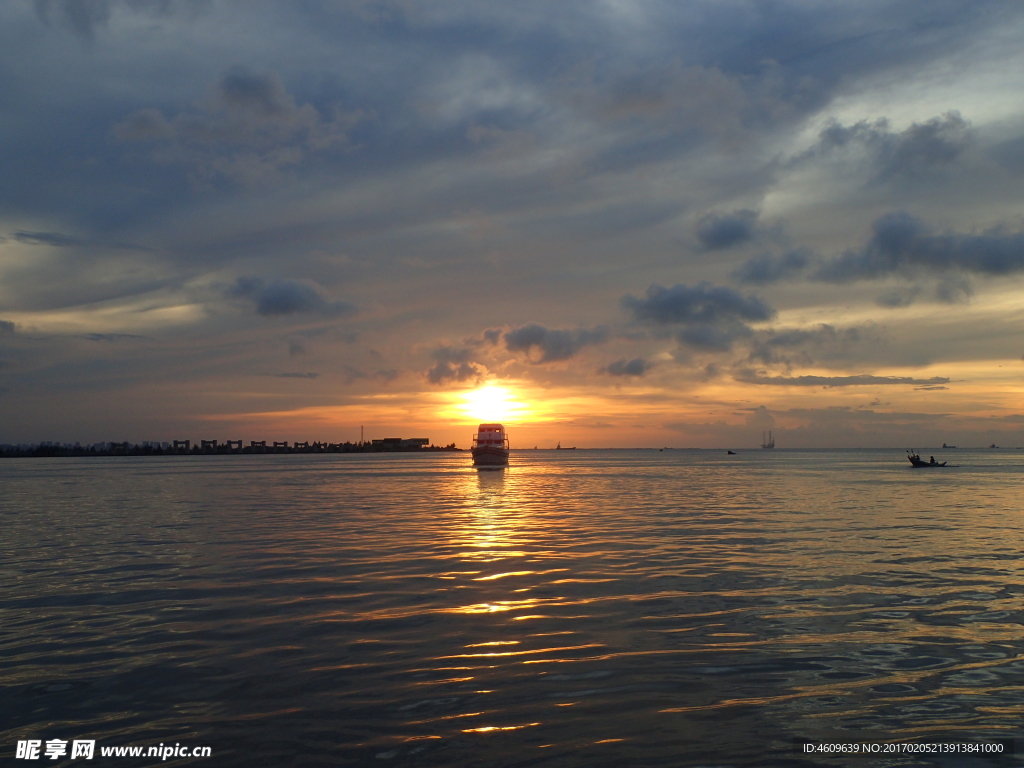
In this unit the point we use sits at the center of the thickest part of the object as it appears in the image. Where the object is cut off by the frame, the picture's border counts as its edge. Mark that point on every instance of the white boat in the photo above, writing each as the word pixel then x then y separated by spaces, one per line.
pixel 490 446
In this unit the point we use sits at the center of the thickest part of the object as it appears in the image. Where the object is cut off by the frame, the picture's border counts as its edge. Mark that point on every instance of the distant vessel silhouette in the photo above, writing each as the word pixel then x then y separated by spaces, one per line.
pixel 567 448
pixel 948 446
pixel 769 442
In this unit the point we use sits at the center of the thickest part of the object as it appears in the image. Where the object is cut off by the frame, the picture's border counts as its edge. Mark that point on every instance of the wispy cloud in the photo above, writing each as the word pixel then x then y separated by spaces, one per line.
pixel 859 380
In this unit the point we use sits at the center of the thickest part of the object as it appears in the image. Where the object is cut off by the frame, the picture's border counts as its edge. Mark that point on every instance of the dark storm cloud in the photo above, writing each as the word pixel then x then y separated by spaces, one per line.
pixel 454 364
pixel 920 148
pixel 547 345
pixel 635 367
pixel 901 242
pixel 286 297
pixel 716 231
pixel 766 268
pixel 836 381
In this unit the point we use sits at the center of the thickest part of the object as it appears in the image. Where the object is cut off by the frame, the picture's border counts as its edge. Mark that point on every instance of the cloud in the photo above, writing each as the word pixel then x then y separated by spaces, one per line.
pixel 454 364
pixel 684 99
pixel 60 240
pixel 898 297
pixel 111 338
pixel 901 243
pixel 954 289
pixel 48 238
pixel 249 127
pixel 83 16
pixel 768 345
pixel 6 326
pixel 766 268
pixel 353 374
pixel 635 367
pixel 836 381
pixel 290 375
pixel 923 147
pixel 717 231
pixel 286 297
pixel 713 316
pixel 714 338
pixel 546 345
pixel 702 303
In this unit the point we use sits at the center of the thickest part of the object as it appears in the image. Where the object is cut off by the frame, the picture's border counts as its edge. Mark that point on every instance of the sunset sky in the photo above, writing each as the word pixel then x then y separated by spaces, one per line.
pixel 609 224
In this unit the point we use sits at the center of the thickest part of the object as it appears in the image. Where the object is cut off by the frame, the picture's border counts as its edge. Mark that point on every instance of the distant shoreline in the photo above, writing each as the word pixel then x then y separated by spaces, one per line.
pixel 43 450
pixel 128 449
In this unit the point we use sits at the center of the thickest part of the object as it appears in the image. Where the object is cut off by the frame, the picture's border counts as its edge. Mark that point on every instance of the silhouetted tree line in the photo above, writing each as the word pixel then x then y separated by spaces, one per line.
pixel 222 449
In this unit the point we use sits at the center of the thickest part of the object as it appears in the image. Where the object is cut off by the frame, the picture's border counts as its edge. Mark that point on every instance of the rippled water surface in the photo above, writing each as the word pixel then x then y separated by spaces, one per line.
pixel 584 608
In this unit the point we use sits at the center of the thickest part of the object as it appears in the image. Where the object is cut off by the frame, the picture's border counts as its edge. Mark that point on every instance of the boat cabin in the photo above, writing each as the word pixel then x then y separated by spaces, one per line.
pixel 490 435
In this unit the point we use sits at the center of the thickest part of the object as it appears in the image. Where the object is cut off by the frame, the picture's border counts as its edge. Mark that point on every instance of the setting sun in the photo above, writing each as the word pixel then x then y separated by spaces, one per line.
pixel 491 403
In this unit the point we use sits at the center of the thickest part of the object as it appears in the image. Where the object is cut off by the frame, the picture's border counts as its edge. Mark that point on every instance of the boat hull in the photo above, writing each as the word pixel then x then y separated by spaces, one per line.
pixel 488 456
pixel 918 464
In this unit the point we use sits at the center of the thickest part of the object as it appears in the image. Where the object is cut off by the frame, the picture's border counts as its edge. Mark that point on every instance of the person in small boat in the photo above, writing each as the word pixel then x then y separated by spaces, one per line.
pixel 932 460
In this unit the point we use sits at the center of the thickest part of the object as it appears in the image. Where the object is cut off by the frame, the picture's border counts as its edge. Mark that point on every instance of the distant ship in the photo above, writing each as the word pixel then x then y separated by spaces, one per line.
pixel 948 446
pixel 490 446
pixel 568 448
pixel 769 442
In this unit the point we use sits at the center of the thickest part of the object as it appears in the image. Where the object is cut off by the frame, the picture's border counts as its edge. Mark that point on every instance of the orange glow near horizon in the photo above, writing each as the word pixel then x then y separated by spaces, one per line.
pixel 655 412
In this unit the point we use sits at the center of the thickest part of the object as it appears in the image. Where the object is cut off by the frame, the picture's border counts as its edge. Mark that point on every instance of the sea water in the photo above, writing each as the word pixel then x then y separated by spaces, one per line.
pixel 579 608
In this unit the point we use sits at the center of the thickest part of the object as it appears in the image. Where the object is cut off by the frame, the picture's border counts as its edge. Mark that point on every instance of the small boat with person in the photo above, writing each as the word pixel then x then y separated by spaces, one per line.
pixel 490 446
pixel 915 460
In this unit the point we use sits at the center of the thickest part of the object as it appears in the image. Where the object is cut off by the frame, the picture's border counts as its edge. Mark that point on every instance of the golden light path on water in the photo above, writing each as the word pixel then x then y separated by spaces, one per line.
pixel 582 608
